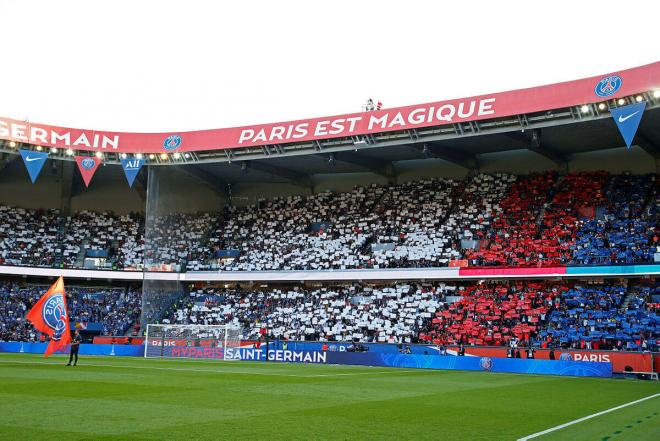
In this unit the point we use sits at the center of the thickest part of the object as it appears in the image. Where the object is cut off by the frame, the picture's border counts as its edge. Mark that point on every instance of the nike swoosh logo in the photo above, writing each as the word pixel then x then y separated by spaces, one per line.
pixel 624 118
pixel 28 159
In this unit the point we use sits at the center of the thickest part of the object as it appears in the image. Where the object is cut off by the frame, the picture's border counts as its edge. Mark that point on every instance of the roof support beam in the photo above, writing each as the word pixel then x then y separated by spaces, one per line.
pixel 296 178
pixel 437 150
pixel 209 179
pixel 535 145
pixel 648 145
pixel 374 165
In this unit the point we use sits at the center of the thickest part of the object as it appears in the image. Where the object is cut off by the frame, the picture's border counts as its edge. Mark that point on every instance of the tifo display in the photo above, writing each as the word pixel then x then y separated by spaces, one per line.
pixel 620 315
pixel 546 219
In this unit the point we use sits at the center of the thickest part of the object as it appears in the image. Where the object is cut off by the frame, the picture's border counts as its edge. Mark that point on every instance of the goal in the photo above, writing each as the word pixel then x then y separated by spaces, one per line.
pixel 190 341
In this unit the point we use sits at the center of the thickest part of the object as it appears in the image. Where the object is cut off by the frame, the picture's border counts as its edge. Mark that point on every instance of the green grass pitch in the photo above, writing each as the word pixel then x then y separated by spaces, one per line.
pixel 138 399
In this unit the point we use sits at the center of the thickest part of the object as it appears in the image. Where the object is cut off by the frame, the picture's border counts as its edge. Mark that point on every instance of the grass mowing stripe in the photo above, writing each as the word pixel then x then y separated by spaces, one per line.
pixel 588 417
pixel 223 371
pixel 179 404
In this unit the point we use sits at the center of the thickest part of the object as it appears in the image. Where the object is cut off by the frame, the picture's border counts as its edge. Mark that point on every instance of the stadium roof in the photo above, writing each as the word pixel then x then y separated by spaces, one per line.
pixel 555 121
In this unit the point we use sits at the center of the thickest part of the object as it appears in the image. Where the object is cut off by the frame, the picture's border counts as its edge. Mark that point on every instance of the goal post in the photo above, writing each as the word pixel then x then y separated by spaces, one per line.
pixel 190 341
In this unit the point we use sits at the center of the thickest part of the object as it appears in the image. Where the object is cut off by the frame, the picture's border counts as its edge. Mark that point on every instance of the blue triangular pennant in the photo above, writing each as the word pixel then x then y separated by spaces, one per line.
pixel 131 169
pixel 34 162
pixel 627 119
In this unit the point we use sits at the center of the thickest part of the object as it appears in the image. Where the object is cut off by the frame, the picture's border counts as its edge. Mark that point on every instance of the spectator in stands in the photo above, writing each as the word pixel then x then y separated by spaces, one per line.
pixel 116 309
pixel 537 220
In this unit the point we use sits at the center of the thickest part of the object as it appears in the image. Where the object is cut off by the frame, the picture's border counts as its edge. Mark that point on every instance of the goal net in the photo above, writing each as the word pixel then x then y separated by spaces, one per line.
pixel 190 341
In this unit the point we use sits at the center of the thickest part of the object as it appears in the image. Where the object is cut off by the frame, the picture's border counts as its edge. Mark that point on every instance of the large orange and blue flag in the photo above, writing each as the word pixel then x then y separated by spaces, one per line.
pixel 50 316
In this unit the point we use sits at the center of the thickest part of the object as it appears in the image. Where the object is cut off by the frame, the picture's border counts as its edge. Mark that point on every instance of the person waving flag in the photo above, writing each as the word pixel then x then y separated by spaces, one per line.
pixel 50 316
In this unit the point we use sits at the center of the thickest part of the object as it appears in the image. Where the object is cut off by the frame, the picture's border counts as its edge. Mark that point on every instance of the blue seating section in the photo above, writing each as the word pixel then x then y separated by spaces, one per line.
pixel 113 310
pixel 595 313
pixel 624 230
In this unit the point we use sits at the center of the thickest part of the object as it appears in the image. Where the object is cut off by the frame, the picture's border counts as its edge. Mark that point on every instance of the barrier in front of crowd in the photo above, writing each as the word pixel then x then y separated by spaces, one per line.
pixel 445 273
pixel 85 349
pixel 416 361
pixel 385 359
pixel 621 360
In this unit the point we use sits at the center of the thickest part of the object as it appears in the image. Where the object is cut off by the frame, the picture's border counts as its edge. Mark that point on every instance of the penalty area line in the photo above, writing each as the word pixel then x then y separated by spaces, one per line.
pixel 588 417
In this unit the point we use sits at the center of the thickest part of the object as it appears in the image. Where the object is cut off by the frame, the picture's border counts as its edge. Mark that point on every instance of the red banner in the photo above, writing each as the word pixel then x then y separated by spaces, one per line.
pixel 517 272
pixel 87 166
pixel 637 361
pixel 496 105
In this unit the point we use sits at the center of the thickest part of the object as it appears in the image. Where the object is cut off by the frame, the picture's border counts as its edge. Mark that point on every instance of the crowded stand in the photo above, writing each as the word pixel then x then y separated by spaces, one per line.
pixel 544 219
pixel 619 315
pixel 494 313
pixel 115 238
pixel 605 316
pixel 624 229
pixel 391 314
pixel 103 310
pixel 540 219
pixel 177 240
pixel 407 231
pixel 516 228
pixel 416 224
pixel 476 207
pixel 322 231
pixel 537 220
pixel 29 237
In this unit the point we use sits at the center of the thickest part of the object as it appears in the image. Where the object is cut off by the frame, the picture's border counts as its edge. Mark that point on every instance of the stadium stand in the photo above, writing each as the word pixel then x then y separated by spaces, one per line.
pixel 492 313
pixel 391 314
pixel 177 239
pixel 29 237
pixel 620 314
pixel 624 229
pixel 604 316
pixel 116 238
pixel 115 311
pixel 323 231
pixel 538 220
pixel 541 219
pixel 430 235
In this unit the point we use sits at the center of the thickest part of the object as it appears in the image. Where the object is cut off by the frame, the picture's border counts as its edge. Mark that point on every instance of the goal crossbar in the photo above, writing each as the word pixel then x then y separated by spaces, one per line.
pixel 190 341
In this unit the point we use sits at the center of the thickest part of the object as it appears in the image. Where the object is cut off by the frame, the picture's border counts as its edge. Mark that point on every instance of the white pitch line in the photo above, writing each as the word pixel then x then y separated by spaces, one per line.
pixel 588 417
pixel 220 371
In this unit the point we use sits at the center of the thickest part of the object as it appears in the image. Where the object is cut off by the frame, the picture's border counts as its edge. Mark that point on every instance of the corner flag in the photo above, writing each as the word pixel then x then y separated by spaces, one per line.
pixel 50 316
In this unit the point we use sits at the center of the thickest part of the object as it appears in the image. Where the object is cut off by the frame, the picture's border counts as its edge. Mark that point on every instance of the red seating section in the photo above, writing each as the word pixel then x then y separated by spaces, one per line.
pixel 539 219
pixel 493 313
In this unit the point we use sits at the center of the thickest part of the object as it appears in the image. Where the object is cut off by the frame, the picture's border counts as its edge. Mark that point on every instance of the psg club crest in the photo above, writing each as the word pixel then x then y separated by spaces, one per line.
pixel 172 142
pixel 88 163
pixel 608 86
pixel 486 363
pixel 54 315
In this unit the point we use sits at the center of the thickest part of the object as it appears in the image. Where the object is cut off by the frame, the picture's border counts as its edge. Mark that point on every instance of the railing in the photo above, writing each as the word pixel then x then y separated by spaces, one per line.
pixel 390 274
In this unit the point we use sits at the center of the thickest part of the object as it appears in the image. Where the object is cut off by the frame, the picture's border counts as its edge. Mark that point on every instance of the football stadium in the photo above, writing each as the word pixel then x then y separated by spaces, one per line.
pixel 477 268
